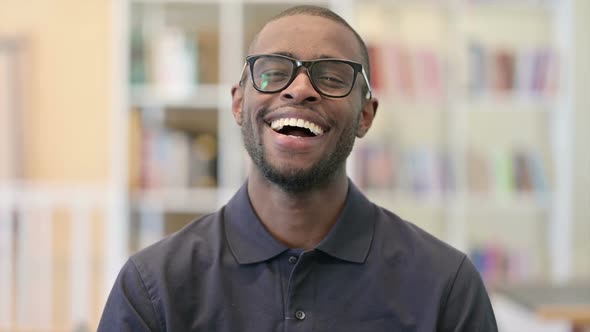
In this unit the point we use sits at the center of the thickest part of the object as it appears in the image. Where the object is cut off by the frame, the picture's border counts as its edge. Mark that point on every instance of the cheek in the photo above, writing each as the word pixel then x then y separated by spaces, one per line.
pixel 255 106
pixel 353 113
pixel 250 122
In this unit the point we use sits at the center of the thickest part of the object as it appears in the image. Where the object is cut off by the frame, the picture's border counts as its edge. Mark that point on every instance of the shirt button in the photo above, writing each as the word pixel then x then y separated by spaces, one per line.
pixel 292 260
pixel 300 314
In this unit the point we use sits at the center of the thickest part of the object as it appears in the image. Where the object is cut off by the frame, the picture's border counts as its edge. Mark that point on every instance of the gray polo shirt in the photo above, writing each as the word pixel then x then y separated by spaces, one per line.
pixel 225 272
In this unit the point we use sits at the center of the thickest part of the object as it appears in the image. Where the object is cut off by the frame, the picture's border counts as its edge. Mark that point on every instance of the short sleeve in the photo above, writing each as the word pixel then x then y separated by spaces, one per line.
pixel 468 307
pixel 129 306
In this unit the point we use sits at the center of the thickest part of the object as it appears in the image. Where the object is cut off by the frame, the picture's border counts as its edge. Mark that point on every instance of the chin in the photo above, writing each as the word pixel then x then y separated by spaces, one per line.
pixel 297 179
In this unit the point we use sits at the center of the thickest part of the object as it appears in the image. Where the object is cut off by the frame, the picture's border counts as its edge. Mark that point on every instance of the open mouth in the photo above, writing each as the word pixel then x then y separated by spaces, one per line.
pixel 296 127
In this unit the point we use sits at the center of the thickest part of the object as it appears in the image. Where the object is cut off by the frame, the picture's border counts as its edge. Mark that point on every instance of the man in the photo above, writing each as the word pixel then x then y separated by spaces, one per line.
pixel 299 248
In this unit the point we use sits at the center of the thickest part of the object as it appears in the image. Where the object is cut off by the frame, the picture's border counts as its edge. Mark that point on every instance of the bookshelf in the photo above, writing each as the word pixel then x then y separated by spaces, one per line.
pixel 472 106
pixel 472 101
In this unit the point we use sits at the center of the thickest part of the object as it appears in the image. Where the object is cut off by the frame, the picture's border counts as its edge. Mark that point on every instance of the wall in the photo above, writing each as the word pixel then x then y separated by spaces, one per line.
pixel 581 202
pixel 65 141
pixel 66 115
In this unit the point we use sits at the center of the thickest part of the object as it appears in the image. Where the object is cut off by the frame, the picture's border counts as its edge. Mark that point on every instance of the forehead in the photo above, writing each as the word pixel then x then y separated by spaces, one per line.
pixel 307 37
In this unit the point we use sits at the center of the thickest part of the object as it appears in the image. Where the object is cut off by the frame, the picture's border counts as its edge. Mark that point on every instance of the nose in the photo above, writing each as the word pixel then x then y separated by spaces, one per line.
pixel 301 90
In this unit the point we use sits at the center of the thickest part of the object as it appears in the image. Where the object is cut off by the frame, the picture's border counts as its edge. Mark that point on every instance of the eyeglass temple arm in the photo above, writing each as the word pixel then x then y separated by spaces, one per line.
pixel 243 73
pixel 369 91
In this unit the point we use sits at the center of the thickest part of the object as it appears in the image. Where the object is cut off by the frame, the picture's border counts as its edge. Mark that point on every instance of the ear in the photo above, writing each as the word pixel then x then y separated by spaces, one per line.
pixel 367 115
pixel 237 96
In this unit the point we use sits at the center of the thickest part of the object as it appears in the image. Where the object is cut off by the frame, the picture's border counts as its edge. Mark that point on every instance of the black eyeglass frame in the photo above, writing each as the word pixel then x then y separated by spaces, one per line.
pixel 357 68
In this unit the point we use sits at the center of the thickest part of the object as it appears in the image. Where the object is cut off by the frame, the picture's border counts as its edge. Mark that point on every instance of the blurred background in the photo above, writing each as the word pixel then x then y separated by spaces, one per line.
pixel 115 130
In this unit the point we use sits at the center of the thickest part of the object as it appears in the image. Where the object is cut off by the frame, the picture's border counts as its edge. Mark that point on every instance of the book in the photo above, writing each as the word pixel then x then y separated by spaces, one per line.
pixel 401 71
pixel 503 173
pixel 207 57
pixel 408 73
pixel 537 172
pixel 540 71
pixel 203 161
pixel 478 69
pixel 503 71
pixel 173 64
pixel 522 172
pixel 478 173
pixel 446 172
pixel 375 166
pixel 377 74
pixel 553 75
pixel 136 149
pixel 137 64
pixel 524 72
pixel 428 74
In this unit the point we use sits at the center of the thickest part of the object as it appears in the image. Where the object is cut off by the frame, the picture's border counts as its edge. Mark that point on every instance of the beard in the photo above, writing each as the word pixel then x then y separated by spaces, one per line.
pixel 297 180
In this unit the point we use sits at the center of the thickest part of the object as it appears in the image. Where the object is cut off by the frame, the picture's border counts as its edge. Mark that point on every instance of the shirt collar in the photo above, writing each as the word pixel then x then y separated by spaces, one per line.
pixel 350 238
pixel 248 240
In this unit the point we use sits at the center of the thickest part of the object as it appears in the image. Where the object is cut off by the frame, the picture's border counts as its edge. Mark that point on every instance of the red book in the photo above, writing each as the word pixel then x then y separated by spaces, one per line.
pixel 503 71
pixel 375 57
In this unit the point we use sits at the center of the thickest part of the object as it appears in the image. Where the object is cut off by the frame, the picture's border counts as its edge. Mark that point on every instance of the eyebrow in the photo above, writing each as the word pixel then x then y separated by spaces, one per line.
pixel 291 55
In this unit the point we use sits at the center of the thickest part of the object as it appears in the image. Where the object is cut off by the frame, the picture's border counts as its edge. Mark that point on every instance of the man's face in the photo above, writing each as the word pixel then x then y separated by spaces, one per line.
pixel 293 156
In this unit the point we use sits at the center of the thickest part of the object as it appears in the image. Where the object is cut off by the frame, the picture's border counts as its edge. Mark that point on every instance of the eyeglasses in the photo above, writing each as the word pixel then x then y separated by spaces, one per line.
pixel 271 73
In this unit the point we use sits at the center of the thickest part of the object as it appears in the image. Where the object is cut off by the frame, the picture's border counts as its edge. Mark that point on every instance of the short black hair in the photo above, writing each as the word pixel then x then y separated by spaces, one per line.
pixel 329 14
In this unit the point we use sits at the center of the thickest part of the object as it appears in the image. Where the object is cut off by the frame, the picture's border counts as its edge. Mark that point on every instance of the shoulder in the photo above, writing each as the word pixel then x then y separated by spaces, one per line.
pixel 431 269
pixel 196 242
pixel 437 267
pixel 414 246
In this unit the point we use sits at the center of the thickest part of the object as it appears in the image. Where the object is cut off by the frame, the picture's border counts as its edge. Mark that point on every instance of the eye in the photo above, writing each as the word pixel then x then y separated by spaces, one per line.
pixel 333 74
pixel 273 75
pixel 331 80
pixel 271 78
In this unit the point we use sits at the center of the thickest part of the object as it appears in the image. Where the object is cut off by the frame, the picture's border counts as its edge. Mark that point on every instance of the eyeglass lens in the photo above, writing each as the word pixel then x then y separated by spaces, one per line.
pixel 330 77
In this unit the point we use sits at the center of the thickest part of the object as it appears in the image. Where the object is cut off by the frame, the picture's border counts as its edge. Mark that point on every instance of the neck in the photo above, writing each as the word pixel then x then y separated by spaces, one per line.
pixel 298 220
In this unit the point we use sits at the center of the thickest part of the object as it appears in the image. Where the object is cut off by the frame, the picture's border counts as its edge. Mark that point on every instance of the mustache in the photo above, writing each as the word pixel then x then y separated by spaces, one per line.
pixel 293 105
pixel 262 112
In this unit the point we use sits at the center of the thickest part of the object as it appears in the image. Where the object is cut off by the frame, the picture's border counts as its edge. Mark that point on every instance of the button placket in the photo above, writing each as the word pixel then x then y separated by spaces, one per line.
pixel 300 293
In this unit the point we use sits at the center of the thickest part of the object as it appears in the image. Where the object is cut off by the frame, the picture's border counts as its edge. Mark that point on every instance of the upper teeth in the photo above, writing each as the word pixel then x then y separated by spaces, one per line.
pixel 280 123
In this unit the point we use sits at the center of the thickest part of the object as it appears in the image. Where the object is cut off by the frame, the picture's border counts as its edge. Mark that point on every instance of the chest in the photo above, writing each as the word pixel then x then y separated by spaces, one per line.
pixel 308 291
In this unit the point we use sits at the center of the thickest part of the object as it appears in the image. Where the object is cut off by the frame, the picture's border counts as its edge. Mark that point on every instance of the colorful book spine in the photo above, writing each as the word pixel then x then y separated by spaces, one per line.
pixel 176 159
pixel 520 72
pixel 407 73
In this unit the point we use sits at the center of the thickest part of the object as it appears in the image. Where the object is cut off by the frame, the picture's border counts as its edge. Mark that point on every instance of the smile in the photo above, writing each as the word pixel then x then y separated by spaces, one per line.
pixel 296 127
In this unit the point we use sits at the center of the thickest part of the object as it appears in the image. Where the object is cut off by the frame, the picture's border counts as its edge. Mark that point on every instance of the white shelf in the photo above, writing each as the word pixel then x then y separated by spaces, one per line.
pixel 484 202
pixel 513 6
pixel 514 202
pixel 195 200
pixel 204 96
pixel 507 103
pixel 393 104
pixel 483 104
pixel 400 197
